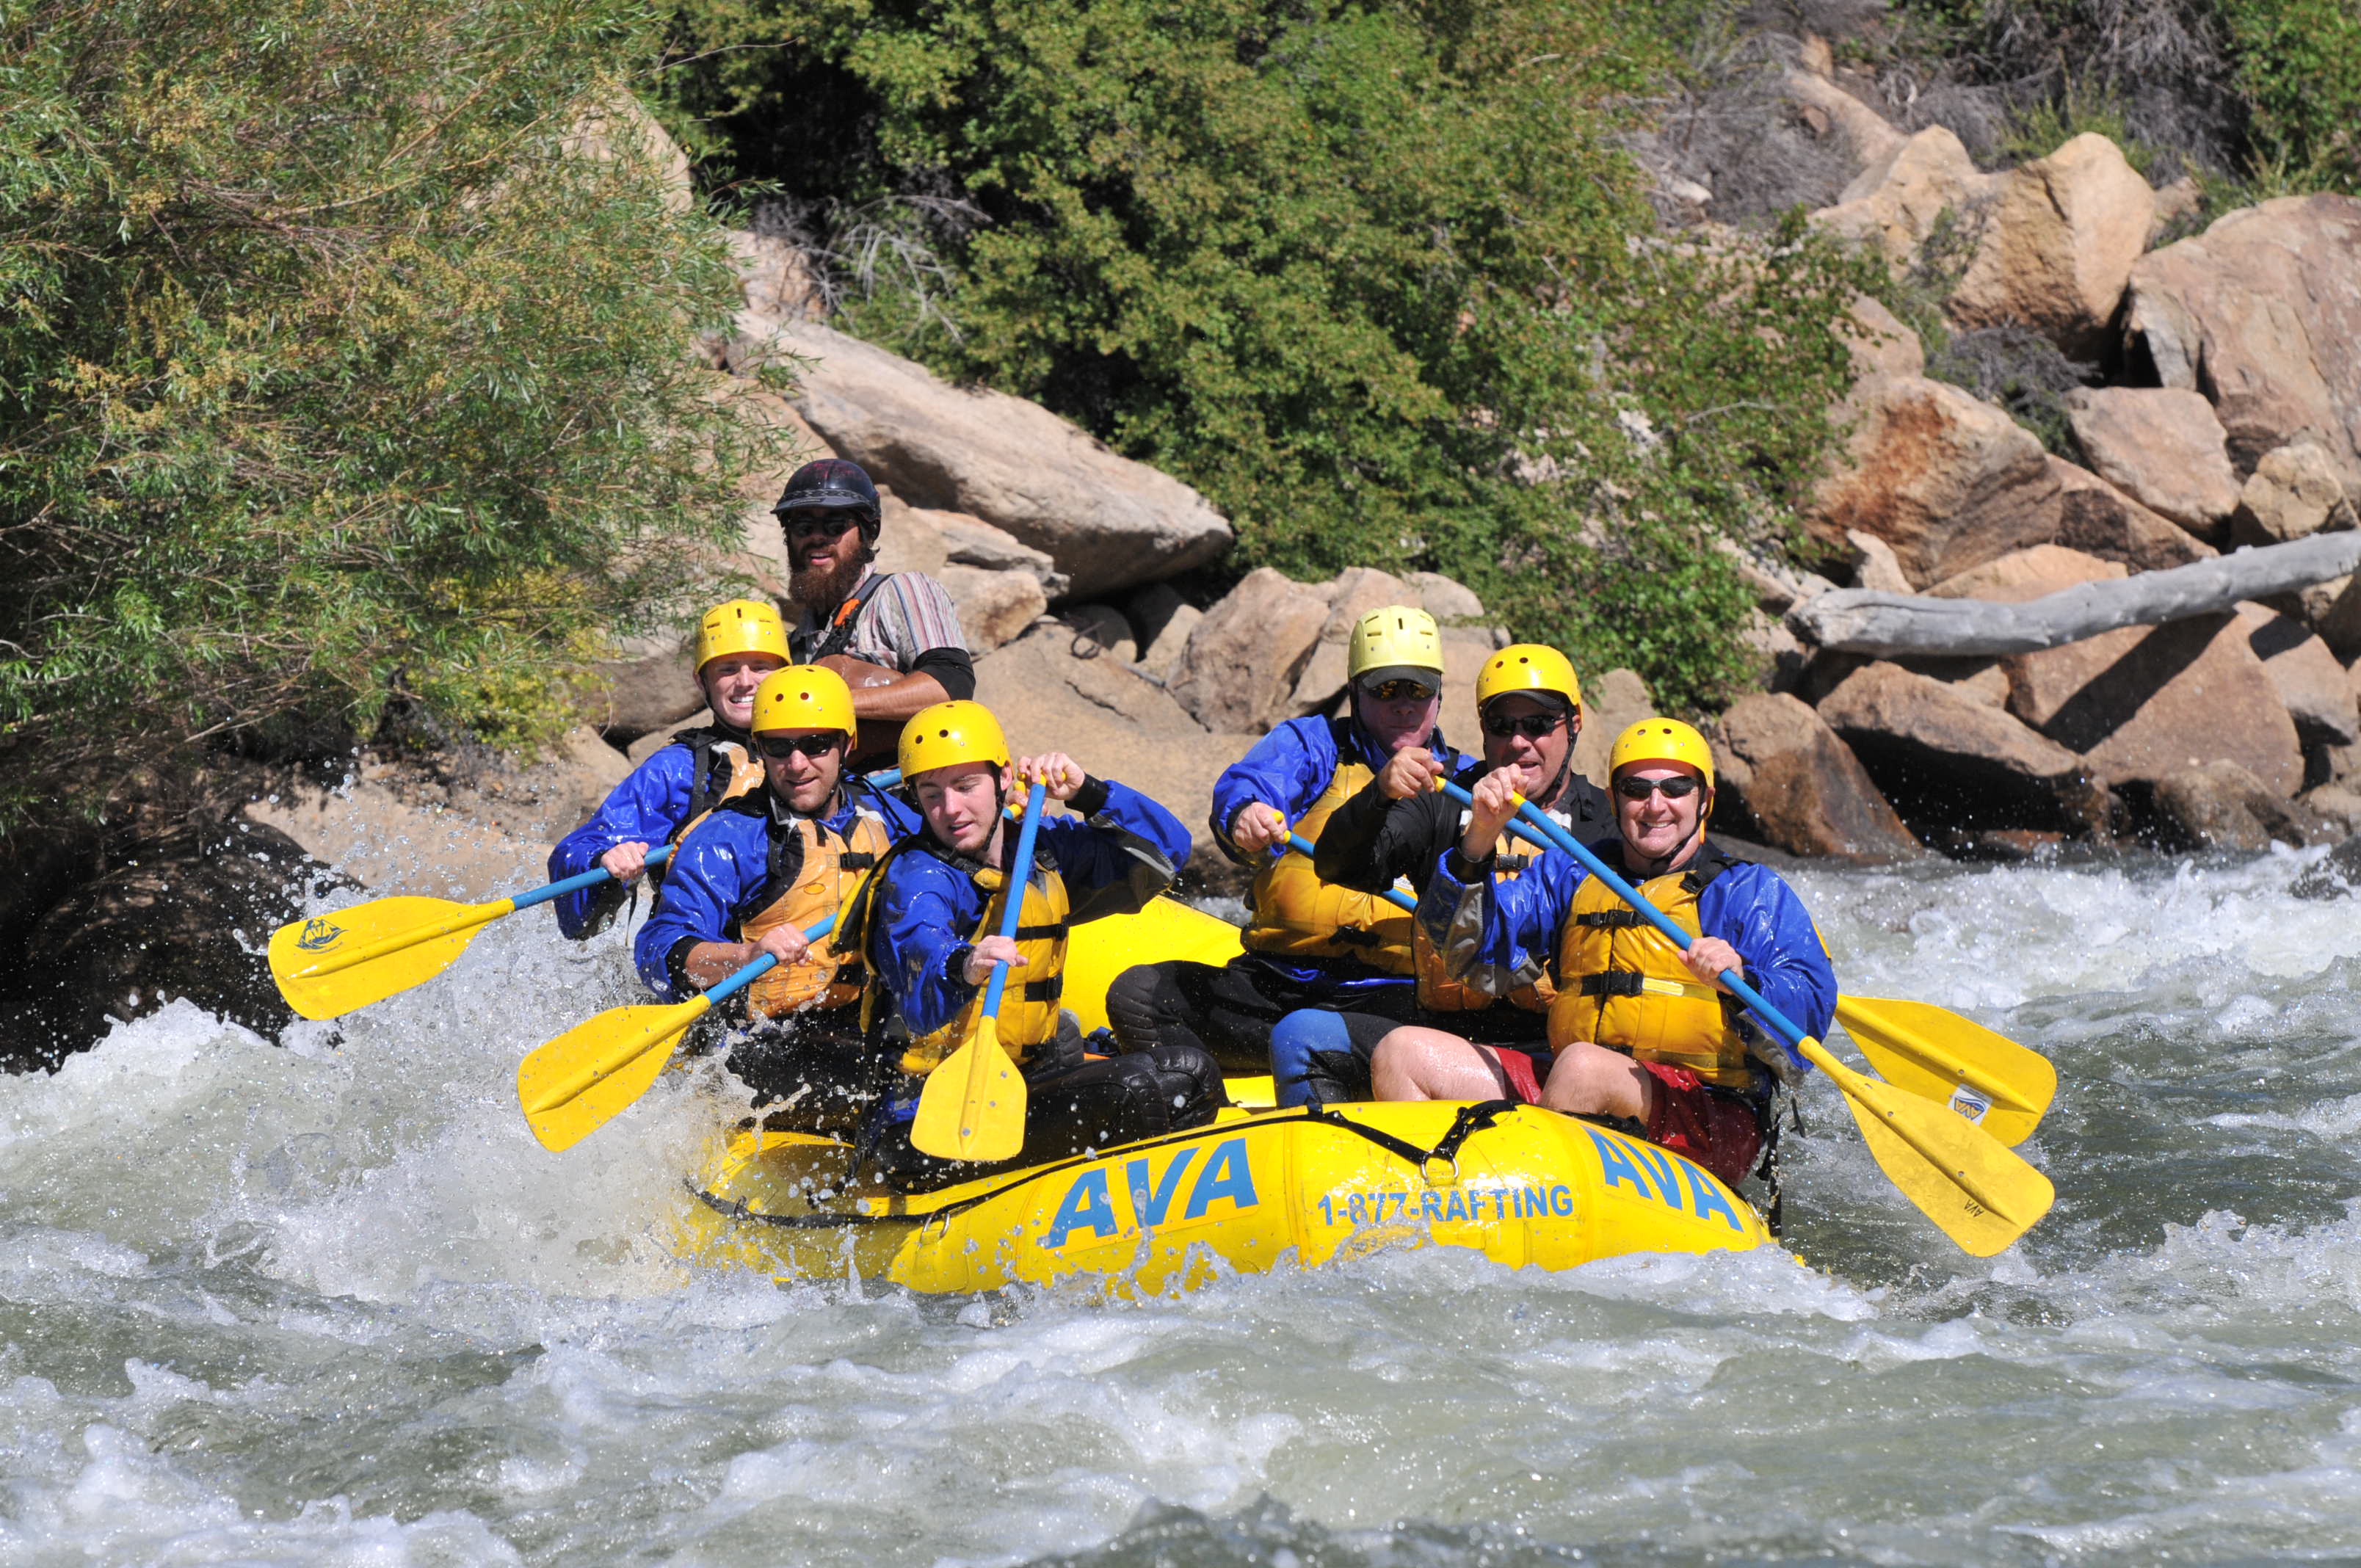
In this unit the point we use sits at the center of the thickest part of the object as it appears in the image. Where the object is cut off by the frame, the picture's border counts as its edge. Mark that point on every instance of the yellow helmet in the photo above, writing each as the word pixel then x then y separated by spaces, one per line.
pixel 804 697
pixel 1527 667
pixel 951 733
pixel 741 626
pixel 1662 740
pixel 1394 638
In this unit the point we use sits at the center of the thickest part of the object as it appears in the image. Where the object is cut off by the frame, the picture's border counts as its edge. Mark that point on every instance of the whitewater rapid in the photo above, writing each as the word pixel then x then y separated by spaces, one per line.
pixel 323 1300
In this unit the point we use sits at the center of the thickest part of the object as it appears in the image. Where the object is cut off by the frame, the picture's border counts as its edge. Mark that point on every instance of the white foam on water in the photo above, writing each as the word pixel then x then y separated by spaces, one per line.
pixel 325 1300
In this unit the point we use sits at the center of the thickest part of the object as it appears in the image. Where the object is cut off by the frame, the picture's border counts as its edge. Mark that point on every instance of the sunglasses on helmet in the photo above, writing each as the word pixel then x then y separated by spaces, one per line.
pixel 779 747
pixel 1532 724
pixel 1402 688
pixel 1678 787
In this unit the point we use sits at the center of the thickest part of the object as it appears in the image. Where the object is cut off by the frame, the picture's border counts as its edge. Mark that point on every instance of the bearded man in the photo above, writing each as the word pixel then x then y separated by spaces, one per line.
pixel 894 636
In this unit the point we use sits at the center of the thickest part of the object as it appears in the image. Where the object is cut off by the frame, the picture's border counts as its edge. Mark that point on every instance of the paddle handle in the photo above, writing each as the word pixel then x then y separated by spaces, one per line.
pixel 1538 829
pixel 1394 895
pixel 588 879
pixel 1020 877
pixel 718 994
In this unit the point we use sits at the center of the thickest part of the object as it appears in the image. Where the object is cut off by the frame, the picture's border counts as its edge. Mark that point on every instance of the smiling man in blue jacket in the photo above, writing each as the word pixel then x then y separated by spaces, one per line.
pixel 759 870
pixel 1308 943
pixel 933 938
pixel 1641 1031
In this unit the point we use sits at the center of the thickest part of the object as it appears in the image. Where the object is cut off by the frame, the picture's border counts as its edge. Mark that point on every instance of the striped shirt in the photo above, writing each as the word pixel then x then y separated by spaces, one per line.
pixel 910 614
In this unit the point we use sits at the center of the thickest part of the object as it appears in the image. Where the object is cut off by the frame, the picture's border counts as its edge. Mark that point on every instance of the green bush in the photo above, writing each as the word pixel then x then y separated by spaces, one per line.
pixel 2300 67
pixel 1375 277
pixel 330 381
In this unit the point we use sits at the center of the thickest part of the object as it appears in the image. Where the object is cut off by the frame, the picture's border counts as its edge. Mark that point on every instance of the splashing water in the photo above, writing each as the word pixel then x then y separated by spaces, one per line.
pixel 323 1301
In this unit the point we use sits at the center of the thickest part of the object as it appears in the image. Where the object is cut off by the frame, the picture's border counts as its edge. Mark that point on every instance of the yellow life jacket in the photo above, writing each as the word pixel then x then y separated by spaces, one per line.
pixel 1029 1003
pixel 1439 992
pixel 746 775
pixel 1623 984
pixel 812 872
pixel 1296 915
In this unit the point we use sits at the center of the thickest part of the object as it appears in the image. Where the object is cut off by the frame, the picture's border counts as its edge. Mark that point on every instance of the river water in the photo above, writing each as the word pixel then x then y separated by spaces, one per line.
pixel 323 1301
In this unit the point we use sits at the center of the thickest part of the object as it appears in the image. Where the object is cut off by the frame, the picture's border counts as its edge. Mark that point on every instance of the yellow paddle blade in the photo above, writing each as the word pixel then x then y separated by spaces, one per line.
pixel 332 964
pixel 1936 1055
pixel 974 1104
pixel 1960 1177
pixel 586 1076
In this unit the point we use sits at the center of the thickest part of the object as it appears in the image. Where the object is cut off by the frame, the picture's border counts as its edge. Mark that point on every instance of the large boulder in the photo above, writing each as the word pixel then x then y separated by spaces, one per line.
pixel 1612 703
pixel 1242 664
pixel 2221 805
pixel 993 607
pixel 1053 691
pixel 2143 702
pixel 2262 313
pixel 1109 523
pixel 2057 245
pixel 1785 775
pixel 2311 682
pixel 2163 448
pixel 2293 491
pixel 1947 479
pixel 2024 575
pixel 190 918
pixel 1895 201
pixel 1951 764
pixel 2099 520
pixel 630 698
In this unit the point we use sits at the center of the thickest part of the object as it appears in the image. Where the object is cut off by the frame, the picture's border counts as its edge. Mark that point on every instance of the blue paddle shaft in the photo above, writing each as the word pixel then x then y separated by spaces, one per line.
pixel 1020 875
pixel 764 965
pixel 1394 895
pixel 1557 836
pixel 885 780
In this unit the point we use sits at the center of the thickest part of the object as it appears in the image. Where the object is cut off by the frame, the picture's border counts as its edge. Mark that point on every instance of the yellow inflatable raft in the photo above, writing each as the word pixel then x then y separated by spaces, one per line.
pixel 1517 1183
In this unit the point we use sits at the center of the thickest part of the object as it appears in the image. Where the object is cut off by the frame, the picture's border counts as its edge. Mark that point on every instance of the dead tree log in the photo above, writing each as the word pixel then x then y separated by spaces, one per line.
pixel 1857 620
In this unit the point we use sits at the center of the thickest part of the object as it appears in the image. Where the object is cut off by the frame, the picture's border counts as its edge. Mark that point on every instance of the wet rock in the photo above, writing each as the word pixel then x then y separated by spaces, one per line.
pixel 2058 245
pixel 1239 672
pixel 1947 479
pixel 2262 313
pixel 2163 448
pixel 1951 764
pixel 1786 779
pixel 2221 805
pixel 2143 702
pixel 190 917
pixel 1109 523
pixel 2335 876
pixel 2293 491
pixel 2099 520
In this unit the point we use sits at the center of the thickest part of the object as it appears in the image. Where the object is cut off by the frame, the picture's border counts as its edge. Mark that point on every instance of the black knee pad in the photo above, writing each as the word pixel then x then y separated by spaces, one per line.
pixel 1189 1086
pixel 1141 1003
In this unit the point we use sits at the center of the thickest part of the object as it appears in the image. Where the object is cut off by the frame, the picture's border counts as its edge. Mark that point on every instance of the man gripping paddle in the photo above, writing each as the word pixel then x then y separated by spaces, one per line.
pixel 1640 1031
pixel 931 929
pixel 758 869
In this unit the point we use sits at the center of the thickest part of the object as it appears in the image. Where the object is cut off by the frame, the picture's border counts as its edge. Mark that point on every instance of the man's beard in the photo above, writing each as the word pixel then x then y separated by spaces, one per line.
pixel 822 589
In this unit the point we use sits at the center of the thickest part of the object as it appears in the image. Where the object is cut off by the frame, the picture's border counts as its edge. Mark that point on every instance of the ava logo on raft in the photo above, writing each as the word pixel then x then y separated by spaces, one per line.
pixel 1089 1203
pixel 318 933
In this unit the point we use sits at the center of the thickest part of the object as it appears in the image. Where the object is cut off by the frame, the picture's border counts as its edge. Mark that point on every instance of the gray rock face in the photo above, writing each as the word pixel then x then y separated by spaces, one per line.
pixel 2221 805
pixel 1784 773
pixel 1109 523
pixel 2262 313
pixel 2099 520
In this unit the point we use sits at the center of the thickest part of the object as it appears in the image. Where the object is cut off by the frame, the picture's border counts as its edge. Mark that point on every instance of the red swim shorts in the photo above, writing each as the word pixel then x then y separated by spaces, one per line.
pixel 1716 1131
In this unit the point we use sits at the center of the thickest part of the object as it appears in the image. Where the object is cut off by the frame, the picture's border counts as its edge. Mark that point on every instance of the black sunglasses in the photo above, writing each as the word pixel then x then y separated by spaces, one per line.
pixel 817 522
pixel 1532 724
pixel 1401 689
pixel 1679 787
pixel 779 747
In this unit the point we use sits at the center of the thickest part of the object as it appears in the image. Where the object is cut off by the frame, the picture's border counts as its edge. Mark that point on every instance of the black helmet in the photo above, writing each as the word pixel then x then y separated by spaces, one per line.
pixel 830 483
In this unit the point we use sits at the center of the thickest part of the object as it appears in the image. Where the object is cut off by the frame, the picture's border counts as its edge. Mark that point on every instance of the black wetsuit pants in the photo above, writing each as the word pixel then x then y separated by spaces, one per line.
pixel 1227 1010
pixel 1073 1104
